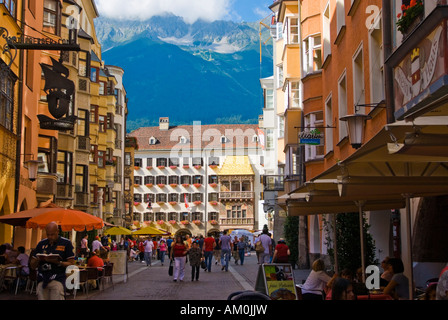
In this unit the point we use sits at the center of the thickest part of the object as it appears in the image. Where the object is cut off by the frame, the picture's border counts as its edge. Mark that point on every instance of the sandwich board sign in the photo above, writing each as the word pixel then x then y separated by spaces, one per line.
pixel 277 281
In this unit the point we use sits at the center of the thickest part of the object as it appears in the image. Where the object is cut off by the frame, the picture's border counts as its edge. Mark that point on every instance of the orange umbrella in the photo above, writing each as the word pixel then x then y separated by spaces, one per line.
pixel 20 218
pixel 67 219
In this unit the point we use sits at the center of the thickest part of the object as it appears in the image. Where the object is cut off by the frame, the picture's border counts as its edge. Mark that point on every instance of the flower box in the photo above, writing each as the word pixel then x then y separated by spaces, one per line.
pixel 197 167
pixel 186 166
pixel 160 203
pixel 197 222
pixel 136 167
pixel 411 13
pixel 160 222
pixel 213 185
pixel 174 185
pixel 185 222
pixel 173 167
pixel 197 185
pixel 172 221
pixel 161 185
pixel 136 185
pixel 197 202
pixel 136 203
pixel 213 203
pixel 173 203
pixel 213 166
pixel 149 185
pixel 149 167
pixel 186 185
pixel 213 222
pixel 161 167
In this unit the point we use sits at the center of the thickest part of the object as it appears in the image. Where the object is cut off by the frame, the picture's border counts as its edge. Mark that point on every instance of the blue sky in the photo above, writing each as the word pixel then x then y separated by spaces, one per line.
pixel 190 10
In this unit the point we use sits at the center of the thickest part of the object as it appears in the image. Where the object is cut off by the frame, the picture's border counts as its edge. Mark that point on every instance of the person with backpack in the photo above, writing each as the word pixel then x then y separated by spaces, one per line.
pixel 266 241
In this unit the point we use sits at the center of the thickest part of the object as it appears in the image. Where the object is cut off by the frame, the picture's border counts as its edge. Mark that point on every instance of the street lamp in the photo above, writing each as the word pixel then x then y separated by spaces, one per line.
pixel 355 127
pixel 32 169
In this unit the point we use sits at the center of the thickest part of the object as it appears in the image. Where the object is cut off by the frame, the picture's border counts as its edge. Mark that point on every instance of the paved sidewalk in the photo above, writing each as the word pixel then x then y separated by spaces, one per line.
pixel 154 283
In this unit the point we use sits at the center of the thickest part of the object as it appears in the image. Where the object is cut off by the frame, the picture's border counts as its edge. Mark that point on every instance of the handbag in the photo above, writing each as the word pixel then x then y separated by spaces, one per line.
pixel 203 266
pixel 170 268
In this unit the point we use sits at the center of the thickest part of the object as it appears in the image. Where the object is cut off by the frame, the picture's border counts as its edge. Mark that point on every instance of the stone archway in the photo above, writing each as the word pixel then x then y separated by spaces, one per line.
pixel 183 232
pixel 215 232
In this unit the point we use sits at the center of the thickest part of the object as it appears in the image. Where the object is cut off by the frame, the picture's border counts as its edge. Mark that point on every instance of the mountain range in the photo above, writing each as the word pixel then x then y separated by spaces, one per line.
pixel 205 71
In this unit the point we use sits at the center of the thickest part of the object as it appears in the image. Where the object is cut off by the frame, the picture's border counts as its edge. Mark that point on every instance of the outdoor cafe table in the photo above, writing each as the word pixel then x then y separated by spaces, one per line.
pixel 374 296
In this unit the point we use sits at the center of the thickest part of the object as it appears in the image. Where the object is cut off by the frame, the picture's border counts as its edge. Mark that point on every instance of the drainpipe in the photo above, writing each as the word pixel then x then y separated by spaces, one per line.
pixel 388 72
pixel 19 116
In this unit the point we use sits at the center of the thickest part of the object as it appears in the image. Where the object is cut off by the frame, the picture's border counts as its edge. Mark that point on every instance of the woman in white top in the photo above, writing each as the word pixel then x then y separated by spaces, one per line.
pixel 316 282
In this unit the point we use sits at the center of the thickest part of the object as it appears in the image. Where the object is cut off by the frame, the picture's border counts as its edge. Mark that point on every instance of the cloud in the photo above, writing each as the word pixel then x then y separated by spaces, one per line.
pixel 189 10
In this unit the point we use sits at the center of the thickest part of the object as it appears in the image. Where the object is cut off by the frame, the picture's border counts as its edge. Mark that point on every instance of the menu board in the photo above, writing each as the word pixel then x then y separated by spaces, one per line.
pixel 119 259
pixel 277 281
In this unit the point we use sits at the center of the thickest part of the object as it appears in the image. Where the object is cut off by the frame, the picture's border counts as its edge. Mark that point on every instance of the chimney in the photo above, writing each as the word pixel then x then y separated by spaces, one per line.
pixel 164 123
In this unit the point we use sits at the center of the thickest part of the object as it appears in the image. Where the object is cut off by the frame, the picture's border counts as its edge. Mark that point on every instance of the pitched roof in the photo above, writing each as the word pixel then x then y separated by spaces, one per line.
pixel 200 136
pixel 236 165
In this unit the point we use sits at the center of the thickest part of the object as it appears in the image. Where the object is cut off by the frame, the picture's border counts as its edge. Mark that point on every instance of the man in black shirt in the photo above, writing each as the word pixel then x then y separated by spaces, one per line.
pixel 51 270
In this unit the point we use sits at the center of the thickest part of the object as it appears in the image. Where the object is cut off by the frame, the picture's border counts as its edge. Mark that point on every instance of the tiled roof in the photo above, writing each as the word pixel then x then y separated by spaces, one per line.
pixel 238 136
pixel 236 165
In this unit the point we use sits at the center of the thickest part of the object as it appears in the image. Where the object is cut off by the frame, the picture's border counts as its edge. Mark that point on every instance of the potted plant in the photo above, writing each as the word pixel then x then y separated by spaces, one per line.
pixel 213 222
pixel 161 185
pixel 161 167
pixel 213 166
pixel 213 203
pixel 197 222
pixel 174 185
pixel 186 185
pixel 149 185
pixel 172 221
pixel 197 185
pixel 410 15
pixel 185 166
pixel 136 203
pixel 173 203
pixel 149 167
pixel 197 166
pixel 160 222
pixel 173 167
pixel 185 222
pixel 213 185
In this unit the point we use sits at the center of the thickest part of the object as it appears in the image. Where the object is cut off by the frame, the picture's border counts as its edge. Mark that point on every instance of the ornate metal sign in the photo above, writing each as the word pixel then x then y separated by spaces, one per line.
pixel 60 92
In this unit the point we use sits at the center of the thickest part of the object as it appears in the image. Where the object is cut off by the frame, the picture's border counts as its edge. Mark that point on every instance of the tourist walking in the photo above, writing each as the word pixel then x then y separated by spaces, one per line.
pixel 241 246
pixel 235 252
pixel 195 257
pixel 149 247
pixel 162 250
pixel 266 241
pixel 84 246
pixel 178 252
pixel 226 250
pixel 281 252
pixel 209 245
pixel 217 251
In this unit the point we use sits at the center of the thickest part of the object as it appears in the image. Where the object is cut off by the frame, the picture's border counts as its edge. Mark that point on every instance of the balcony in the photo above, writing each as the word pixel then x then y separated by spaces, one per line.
pixel 236 195
pixel 236 221
pixel 46 186
pixel 273 183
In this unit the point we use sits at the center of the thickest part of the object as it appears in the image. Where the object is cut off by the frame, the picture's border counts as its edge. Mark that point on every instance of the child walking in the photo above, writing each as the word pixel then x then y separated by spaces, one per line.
pixel 195 254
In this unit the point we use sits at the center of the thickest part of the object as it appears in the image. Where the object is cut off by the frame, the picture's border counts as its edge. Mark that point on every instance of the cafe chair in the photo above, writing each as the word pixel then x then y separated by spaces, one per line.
pixel 93 275
pixel 2 278
pixel 82 283
pixel 107 274
pixel 32 281
pixel 12 276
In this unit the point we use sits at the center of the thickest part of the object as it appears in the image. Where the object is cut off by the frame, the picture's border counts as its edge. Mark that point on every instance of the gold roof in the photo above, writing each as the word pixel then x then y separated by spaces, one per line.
pixel 236 165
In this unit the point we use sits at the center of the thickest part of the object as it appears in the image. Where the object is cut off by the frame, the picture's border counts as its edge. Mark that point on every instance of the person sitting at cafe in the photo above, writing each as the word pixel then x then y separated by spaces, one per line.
pixel 398 287
pixel 342 289
pixel 3 256
pixel 95 262
pixel 51 270
pixel 316 283
pixel 23 260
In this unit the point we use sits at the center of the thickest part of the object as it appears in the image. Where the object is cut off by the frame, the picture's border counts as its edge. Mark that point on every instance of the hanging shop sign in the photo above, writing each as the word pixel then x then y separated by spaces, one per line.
pixel 313 137
pixel 31 43
pixel 59 90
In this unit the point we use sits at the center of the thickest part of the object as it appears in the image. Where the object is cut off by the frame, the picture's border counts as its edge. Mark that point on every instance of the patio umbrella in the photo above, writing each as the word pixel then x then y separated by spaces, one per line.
pixel 19 219
pixel 117 231
pixel 67 219
pixel 150 231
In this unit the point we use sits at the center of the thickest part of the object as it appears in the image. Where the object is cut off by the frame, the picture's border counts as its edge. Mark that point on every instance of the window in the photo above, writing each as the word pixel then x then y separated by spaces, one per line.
pixel 173 197
pixel 174 162
pixel 102 91
pixel 102 123
pixel 198 162
pixel 329 123
pixel 110 121
pixel 64 168
pixel 161 197
pixel 198 196
pixel 281 126
pixel 149 162
pixel 161 162
pixel 10 6
pixel 84 63
pixel 138 180
pixel 149 179
pixel 173 216
pixel 312 54
pixel 137 197
pixel 127 184
pixel 376 57
pixel 161 179
pixel 81 178
pixel 294 94
pixel 197 179
pixel 47 154
pixel 196 216
pixel 279 76
pixel 279 31
pixel 94 74
pixel 236 212
pixel 342 105
pixel 127 159
pixel 6 100
pixel 293 31
pixel 93 194
pixel 213 179
pixel 326 31
pixel 82 121
pixel 185 180
pixel 101 158
pixel 184 196
pixel 51 16
pixel 340 14
pixel 359 96
pixel 150 197
pixel 94 114
pixel 214 161
pixel 269 139
pixel 186 161
pixel 269 99
pixel 173 180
